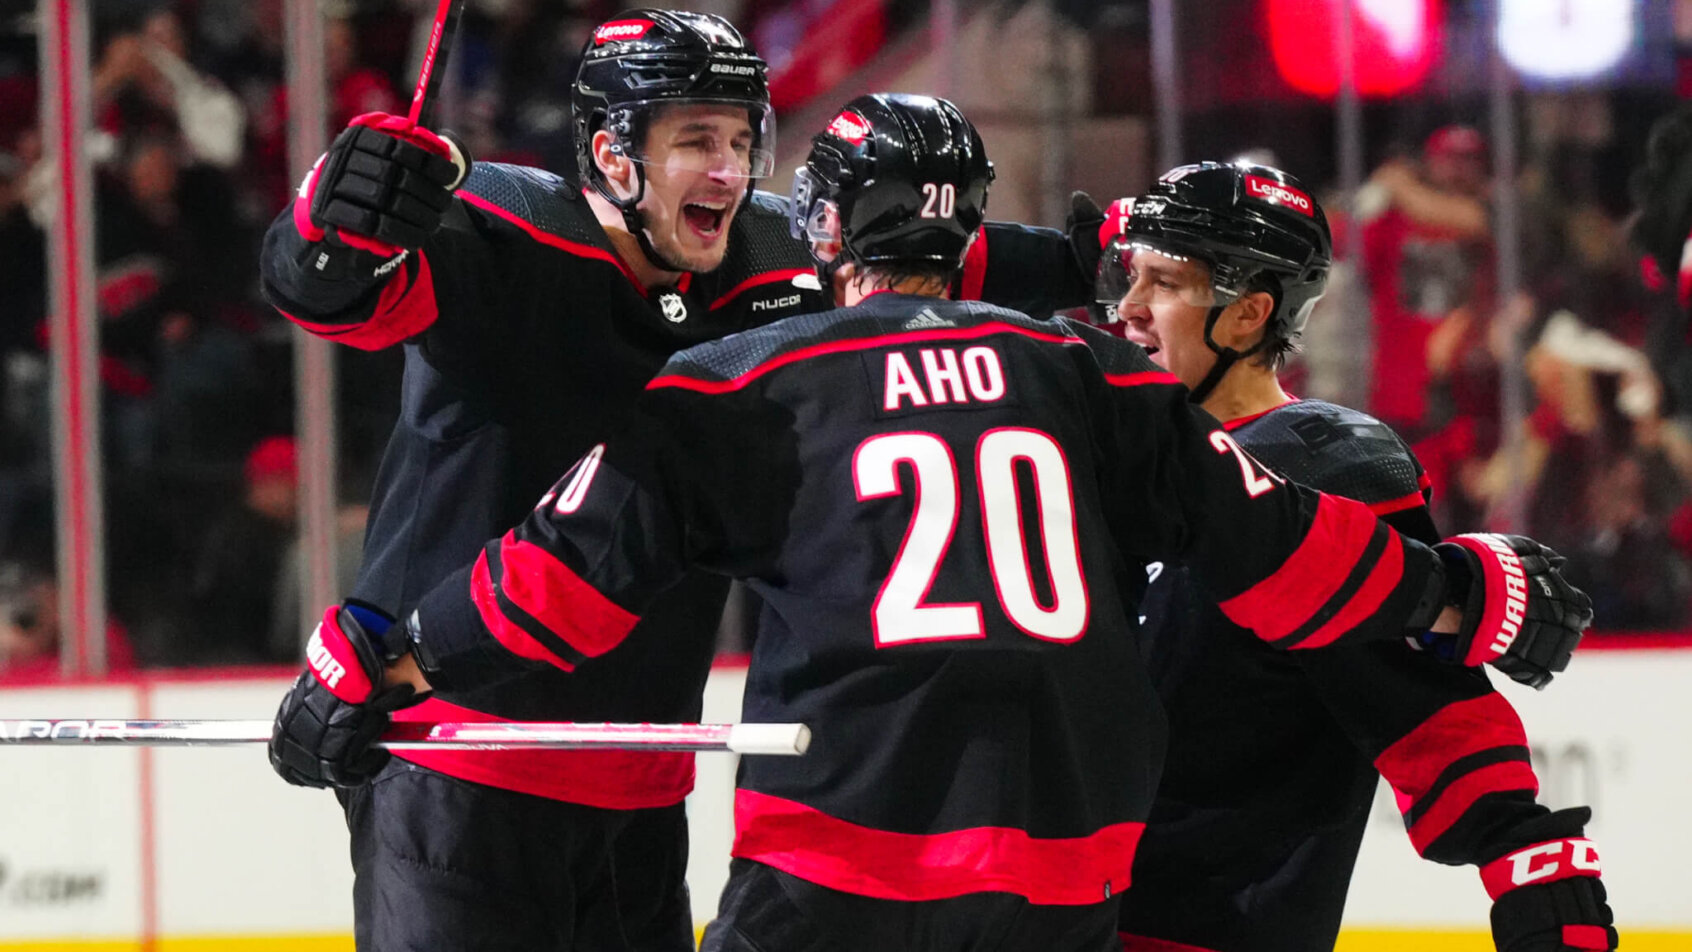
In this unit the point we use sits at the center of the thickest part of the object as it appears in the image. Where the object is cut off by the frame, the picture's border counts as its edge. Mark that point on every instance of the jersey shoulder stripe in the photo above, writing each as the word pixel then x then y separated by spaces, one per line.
pixel 762 251
pixel 541 205
pixel 733 362
pixel 1337 450
pixel 1123 363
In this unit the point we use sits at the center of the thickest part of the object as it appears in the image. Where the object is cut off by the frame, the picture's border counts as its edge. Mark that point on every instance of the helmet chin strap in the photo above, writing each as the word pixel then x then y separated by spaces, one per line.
pixel 1226 357
pixel 634 221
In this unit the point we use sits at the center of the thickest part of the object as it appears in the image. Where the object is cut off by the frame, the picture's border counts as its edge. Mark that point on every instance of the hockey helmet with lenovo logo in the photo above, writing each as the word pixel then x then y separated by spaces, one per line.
pixel 894 178
pixel 643 60
pixel 1255 227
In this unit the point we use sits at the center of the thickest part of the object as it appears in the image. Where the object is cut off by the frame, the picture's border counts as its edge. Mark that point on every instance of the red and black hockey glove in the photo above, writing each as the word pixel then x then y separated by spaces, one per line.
pixel 330 719
pixel 382 187
pixel 1546 894
pixel 1519 614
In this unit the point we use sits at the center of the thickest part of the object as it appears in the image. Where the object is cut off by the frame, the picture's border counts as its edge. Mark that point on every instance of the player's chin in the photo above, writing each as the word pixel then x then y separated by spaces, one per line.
pixel 701 255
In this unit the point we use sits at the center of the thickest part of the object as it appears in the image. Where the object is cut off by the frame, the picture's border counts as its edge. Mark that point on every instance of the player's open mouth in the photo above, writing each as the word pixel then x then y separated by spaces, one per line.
pixel 705 218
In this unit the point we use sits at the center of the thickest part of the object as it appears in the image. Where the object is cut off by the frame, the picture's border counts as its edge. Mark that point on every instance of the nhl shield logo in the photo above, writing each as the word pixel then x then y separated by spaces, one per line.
pixel 675 309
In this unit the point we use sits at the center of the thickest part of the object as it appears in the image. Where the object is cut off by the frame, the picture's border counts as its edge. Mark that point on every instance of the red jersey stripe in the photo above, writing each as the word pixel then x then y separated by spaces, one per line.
pixel 1277 606
pixel 1238 422
pixel 610 779
pixel 538 583
pixel 1141 379
pixel 1456 799
pixel 759 280
pixel 1400 504
pixel 1145 943
pixel 505 631
pixel 547 238
pixel 832 852
pixel 1414 763
pixel 974 268
pixel 1382 579
pixel 846 346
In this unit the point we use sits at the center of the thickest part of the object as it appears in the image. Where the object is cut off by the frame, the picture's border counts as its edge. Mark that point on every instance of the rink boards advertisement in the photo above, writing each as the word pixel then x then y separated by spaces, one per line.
pixel 204 848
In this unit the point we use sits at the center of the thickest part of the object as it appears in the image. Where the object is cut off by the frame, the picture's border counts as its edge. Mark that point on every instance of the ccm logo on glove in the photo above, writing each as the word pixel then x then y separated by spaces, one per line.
pixel 1546 862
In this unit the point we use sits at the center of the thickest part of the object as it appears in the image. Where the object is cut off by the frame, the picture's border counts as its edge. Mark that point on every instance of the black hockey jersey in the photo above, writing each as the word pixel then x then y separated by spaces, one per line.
pixel 525 339
pixel 1274 757
pixel 945 508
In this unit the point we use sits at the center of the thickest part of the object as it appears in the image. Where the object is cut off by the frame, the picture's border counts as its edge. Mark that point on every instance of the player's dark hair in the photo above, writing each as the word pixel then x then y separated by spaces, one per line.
pixel 884 275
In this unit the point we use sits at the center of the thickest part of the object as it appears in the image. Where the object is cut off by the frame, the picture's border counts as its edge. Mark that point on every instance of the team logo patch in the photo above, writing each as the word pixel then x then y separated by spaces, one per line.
pixel 1269 190
pixel 674 308
pixel 850 126
pixel 618 30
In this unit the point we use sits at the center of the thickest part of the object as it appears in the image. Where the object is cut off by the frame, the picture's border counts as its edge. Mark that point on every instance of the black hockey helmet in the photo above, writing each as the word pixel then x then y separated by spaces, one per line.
pixel 1255 227
pixel 644 59
pixel 904 177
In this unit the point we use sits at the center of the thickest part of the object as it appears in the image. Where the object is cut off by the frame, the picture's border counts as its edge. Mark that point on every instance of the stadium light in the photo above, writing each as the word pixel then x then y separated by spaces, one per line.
pixel 1396 43
pixel 1569 39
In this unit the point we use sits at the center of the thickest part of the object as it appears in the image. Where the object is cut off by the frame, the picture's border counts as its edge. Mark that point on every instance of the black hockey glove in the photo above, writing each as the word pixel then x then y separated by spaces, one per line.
pixel 1084 226
pixel 382 187
pixel 1519 614
pixel 330 719
pixel 1546 894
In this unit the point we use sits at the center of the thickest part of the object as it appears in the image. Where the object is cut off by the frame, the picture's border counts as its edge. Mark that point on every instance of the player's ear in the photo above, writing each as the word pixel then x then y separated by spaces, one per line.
pixel 617 168
pixel 1249 315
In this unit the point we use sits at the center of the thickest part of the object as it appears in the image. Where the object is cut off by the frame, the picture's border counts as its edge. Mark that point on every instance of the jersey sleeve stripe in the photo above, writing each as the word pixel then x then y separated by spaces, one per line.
pixel 1464 794
pixel 1418 807
pixel 536 582
pixel 405 308
pixel 1413 763
pixel 1400 504
pixel 759 280
pixel 1281 604
pixel 988 329
pixel 514 637
pixel 1354 603
pixel 546 238
pixel 838 854
pixel 974 276
pixel 1141 378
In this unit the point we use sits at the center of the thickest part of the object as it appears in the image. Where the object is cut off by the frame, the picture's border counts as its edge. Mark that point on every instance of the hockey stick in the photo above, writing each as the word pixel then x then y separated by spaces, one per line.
pixel 429 78
pixel 776 739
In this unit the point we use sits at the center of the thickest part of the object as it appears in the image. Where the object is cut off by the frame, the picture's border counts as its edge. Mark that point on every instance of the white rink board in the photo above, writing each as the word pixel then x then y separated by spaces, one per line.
pixel 1614 732
pixel 236 852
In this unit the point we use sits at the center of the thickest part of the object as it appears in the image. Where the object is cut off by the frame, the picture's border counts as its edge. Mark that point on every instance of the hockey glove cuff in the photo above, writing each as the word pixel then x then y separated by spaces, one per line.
pixel 1547 895
pixel 1084 224
pixel 1519 614
pixel 329 721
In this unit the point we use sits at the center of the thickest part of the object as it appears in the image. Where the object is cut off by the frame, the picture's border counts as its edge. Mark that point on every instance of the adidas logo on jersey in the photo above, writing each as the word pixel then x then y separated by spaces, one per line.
pixel 925 319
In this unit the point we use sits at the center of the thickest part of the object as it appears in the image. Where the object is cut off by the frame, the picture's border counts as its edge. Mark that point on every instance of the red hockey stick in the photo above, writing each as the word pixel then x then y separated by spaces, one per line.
pixel 776 739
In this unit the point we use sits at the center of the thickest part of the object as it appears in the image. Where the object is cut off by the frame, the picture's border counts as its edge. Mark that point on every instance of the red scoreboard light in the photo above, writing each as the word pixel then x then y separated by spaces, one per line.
pixel 1395 41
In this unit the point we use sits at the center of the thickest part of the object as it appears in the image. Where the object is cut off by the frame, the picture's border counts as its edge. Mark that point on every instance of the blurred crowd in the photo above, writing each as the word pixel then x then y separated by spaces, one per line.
pixel 198 406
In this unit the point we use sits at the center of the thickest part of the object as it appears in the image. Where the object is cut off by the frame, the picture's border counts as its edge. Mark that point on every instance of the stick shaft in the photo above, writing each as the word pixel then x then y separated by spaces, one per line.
pixel 428 92
pixel 777 739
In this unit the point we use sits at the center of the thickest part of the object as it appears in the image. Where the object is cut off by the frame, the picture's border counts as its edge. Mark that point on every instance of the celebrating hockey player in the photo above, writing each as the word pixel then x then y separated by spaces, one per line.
pixel 1273 757
pixel 945 507
pixel 533 310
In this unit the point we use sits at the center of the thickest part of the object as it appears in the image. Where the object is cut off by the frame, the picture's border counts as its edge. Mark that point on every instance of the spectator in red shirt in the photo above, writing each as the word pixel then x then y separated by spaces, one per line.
pixel 30 634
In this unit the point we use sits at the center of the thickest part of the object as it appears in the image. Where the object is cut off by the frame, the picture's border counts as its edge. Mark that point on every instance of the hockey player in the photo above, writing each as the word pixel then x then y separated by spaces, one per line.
pixel 532 311
pixel 945 508
pixel 1273 757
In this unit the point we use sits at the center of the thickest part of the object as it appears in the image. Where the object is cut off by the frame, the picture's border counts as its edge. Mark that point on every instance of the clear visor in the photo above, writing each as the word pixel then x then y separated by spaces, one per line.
pixel 732 140
pixel 1145 274
pixel 814 220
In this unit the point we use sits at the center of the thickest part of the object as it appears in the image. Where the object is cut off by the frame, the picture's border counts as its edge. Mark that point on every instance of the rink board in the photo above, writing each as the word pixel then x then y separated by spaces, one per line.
pixel 205 849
